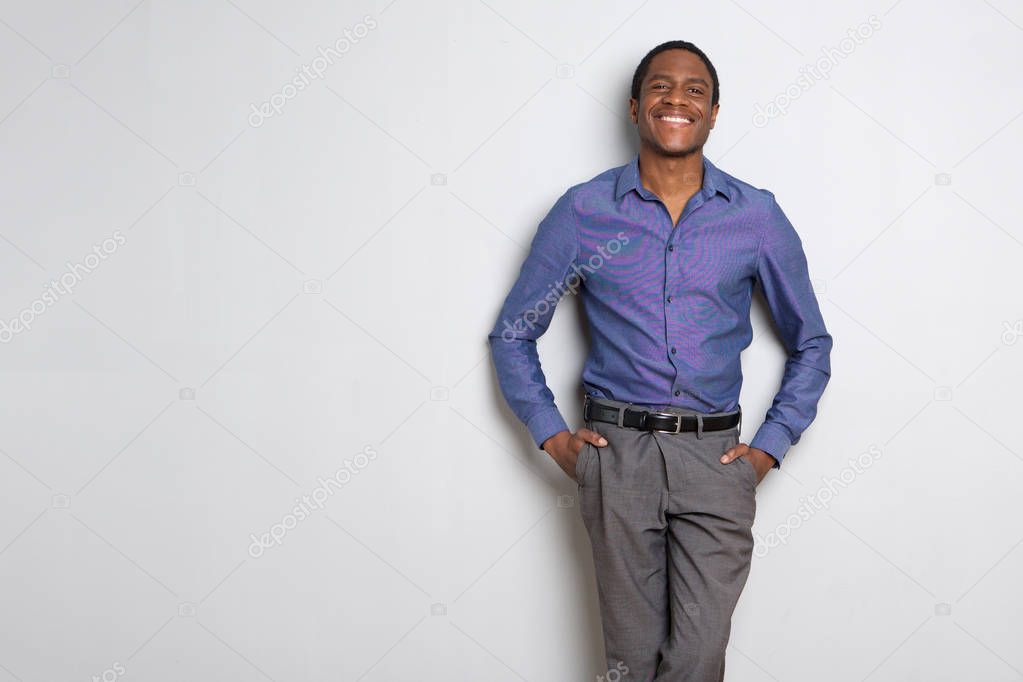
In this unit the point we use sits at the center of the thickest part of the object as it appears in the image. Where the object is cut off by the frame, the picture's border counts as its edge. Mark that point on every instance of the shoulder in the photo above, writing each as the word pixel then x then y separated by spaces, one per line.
pixel 748 195
pixel 761 208
pixel 594 194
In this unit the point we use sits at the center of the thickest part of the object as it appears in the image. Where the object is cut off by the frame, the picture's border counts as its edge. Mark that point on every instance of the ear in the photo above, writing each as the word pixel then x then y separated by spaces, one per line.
pixel 714 115
pixel 634 110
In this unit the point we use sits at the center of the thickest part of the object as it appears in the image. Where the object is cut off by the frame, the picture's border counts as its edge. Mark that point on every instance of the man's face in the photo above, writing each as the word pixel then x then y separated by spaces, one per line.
pixel 674 115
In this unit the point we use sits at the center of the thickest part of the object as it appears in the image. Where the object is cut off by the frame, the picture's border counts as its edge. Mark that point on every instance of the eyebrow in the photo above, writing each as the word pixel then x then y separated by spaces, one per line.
pixel 666 77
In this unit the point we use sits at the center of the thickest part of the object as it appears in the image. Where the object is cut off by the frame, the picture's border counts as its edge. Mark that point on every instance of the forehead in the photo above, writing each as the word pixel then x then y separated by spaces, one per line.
pixel 678 63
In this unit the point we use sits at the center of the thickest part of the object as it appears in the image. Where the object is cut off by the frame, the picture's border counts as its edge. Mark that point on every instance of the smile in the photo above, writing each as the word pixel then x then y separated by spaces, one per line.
pixel 675 120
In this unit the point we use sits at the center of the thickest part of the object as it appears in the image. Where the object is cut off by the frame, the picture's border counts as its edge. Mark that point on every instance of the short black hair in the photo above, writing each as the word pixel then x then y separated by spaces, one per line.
pixel 644 66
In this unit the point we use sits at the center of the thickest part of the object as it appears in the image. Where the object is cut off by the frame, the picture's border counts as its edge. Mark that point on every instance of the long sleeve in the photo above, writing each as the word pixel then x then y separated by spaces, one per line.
pixel 783 273
pixel 545 275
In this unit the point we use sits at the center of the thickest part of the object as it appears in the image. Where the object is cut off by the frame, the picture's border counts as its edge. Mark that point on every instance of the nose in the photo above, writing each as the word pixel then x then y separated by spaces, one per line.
pixel 673 96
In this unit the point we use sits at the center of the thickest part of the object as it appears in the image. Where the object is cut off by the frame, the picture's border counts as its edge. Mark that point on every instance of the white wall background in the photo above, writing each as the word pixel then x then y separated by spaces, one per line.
pixel 292 291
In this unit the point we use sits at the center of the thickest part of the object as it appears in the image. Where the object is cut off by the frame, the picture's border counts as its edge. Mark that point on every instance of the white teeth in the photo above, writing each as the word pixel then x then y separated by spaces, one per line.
pixel 676 119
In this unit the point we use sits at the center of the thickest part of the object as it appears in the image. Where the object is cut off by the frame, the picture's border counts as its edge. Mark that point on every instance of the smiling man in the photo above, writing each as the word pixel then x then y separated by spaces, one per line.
pixel 665 252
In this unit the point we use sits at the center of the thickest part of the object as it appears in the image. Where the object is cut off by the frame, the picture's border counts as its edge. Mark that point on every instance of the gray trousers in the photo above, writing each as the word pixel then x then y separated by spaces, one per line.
pixel 671 531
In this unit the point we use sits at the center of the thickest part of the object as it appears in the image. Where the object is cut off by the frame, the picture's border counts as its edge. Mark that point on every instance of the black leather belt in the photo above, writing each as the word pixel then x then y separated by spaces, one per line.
pixel 638 418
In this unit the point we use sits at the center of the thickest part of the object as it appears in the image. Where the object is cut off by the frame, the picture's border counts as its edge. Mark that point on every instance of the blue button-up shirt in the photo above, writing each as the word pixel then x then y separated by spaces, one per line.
pixel 667 305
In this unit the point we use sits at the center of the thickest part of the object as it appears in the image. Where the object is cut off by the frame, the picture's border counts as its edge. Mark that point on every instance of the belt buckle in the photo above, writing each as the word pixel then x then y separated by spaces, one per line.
pixel 678 426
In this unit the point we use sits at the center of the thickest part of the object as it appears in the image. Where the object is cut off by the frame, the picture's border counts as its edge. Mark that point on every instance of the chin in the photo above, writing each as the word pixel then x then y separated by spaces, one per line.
pixel 677 150
pixel 681 148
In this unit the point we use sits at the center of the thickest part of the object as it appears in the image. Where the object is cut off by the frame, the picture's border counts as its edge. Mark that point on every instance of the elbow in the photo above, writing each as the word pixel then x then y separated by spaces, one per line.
pixel 825 343
pixel 815 352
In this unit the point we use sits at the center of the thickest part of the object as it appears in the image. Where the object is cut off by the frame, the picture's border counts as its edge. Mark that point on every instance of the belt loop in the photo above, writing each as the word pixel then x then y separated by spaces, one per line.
pixel 621 416
pixel 699 426
pixel 740 421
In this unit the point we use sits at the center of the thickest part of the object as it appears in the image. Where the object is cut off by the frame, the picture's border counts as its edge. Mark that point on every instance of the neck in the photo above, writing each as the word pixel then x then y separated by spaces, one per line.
pixel 671 176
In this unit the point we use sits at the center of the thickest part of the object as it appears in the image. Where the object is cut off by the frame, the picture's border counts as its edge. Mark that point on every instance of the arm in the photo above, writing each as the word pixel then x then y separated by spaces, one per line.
pixel 525 316
pixel 782 271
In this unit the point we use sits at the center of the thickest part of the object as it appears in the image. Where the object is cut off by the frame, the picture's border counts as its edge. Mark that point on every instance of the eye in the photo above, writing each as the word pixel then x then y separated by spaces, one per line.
pixel 659 85
pixel 698 91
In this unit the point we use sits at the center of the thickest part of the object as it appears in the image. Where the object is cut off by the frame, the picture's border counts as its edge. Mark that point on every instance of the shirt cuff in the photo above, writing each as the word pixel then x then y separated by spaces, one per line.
pixel 545 424
pixel 773 440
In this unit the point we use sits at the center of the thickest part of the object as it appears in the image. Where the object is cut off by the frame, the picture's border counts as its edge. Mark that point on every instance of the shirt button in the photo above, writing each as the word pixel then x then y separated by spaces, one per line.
pixel 678 392
pixel 673 351
pixel 669 299
pixel 671 247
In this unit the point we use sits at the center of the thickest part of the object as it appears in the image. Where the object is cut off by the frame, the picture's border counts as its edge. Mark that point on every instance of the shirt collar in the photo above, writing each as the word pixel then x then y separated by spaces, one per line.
pixel 713 179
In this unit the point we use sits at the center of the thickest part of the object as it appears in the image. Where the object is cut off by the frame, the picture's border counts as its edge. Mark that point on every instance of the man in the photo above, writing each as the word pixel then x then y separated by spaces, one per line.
pixel 665 252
